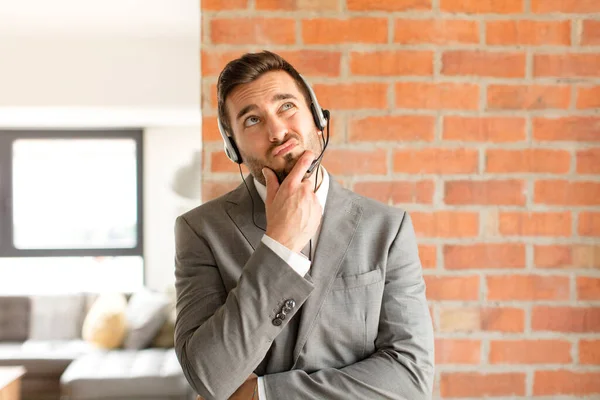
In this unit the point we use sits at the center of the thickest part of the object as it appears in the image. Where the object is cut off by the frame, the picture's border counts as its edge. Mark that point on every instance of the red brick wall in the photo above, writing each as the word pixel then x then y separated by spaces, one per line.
pixel 480 117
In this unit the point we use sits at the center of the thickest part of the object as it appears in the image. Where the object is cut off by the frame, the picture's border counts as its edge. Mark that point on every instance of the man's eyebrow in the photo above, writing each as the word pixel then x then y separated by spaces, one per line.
pixel 245 110
pixel 283 96
pixel 277 97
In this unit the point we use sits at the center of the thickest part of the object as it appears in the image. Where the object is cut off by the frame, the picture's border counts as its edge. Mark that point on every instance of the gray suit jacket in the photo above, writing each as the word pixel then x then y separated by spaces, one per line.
pixel 358 326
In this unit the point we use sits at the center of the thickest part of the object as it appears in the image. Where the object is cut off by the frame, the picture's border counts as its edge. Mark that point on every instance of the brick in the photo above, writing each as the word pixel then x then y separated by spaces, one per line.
pixel 588 161
pixel 528 97
pixel 308 63
pixel 527 287
pixel 220 163
pixel 537 351
pixel 484 129
pixel 590 36
pixel 213 61
pixel 457 351
pixel 210 130
pixel 589 223
pixel 253 31
pixel 577 129
pixel 396 5
pixel 566 65
pixel 446 224
pixel 483 63
pixel 395 192
pixel 589 352
pixel 213 189
pixel 452 287
pixel 391 63
pixel 392 128
pixel 372 162
pixel 524 32
pixel 565 6
pixel 482 6
pixel 484 256
pixel 497 192
pixel 566 256
pixel 347 96
pixel 480 385
pixel 298 5
pixel 535 223
pixel 428 256
pixel 588 97
pixel 209 96
pixel 338 31
pixel 546 383
pixel 219 5
pixel 436 31
pixel 314 62
pixel 434 96
pixel 495 319
pixel 554 192
pixel 436 161
pixel 566 319
pixel 588 288
pixel 528 161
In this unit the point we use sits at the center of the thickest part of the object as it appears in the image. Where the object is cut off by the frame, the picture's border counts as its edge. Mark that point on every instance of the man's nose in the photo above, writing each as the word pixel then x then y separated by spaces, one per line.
pixel 277 129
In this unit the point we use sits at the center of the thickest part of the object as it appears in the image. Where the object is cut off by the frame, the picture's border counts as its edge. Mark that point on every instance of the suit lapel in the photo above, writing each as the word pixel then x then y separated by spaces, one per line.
pixel 340 220
pixel 239 212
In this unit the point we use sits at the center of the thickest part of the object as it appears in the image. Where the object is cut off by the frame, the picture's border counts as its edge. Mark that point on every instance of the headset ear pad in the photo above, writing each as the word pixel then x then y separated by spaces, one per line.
pixel 317 116
pixel 231 149
pixel 315 108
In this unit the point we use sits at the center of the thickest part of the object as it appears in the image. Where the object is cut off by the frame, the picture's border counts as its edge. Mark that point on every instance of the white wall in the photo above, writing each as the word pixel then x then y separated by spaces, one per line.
pixel 109 81
pixel 167 151
pixel 99 72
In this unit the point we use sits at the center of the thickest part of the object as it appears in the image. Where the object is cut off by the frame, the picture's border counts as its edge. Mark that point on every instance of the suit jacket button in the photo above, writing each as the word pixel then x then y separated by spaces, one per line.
pixel 286 310
pixel 280 316
pixel 290 303
pixel 277 322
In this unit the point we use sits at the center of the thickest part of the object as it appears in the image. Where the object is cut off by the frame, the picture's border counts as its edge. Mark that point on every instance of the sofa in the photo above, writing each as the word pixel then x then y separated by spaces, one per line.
pixel 68 357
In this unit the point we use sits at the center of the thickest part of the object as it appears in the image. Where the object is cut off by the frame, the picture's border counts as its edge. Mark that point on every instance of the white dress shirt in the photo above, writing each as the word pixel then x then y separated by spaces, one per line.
pixel 297 261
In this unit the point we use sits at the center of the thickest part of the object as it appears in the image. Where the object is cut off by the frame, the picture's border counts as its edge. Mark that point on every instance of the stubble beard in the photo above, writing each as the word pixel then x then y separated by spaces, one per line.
pixel 255 165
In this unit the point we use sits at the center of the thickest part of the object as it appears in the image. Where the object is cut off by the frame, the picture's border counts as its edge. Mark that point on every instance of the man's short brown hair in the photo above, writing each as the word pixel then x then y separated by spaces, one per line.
pixel 246 69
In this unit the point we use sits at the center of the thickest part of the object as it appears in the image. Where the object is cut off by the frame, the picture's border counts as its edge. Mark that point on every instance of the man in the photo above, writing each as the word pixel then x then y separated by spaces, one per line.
pixel 256 318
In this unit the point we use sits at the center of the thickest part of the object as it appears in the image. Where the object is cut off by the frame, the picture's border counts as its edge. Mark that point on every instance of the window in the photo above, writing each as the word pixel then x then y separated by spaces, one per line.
pixel 71 194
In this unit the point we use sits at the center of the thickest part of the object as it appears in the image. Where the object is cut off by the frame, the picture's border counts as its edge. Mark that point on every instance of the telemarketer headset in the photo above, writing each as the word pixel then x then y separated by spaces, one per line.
pixel 320 116
pixel 322 120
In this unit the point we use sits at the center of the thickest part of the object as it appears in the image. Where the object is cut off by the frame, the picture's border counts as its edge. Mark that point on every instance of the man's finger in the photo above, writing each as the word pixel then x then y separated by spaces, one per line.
pixel 297 173
pixel 271 183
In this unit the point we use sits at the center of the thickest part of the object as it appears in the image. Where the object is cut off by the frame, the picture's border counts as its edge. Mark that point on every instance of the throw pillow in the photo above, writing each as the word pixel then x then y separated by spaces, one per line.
pixel 105 324
pixel 165 338
pixel 145 315
pixel 56 317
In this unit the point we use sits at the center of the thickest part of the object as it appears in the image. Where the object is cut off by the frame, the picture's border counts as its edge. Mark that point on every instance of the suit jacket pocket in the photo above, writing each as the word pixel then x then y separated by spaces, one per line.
pixel 354 281
pixel 349 320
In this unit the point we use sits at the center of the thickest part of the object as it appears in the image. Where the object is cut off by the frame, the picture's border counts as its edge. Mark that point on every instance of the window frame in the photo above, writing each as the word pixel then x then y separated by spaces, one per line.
pixel 8 137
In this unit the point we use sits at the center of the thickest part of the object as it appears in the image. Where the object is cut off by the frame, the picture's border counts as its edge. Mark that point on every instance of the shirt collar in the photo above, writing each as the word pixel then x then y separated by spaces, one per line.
pixel 321 191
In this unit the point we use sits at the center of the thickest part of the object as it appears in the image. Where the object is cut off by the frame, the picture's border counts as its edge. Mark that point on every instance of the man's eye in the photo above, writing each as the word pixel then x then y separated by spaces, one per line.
pixel 251 121
pixel 287 106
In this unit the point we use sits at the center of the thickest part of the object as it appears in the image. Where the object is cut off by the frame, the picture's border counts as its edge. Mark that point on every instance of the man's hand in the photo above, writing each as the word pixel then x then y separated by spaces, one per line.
pixel 293 210
pixel 248 390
